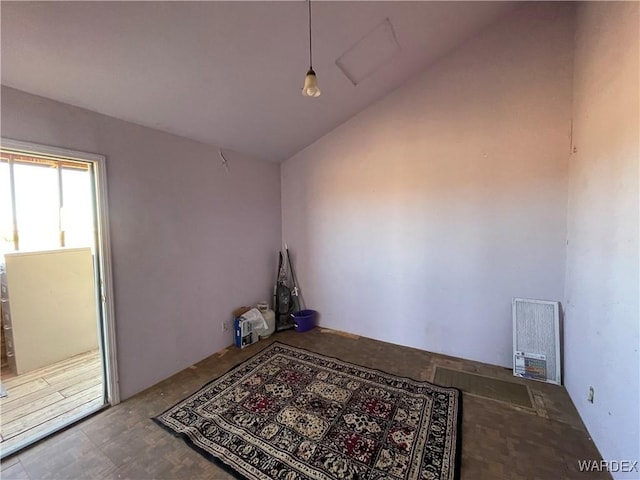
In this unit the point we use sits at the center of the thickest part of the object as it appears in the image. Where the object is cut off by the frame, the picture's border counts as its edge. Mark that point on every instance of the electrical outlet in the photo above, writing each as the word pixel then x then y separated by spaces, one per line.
pixel 226 325
pixel 590 396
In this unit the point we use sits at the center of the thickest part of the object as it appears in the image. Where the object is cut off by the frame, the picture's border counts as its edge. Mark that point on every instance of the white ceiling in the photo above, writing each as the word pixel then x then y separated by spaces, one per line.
pixel 224 73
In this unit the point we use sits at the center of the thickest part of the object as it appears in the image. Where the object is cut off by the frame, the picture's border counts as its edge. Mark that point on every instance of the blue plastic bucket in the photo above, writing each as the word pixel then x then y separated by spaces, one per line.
pixel 305 320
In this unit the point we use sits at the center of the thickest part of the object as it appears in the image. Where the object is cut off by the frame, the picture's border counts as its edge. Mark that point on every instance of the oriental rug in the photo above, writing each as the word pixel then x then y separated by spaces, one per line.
pixel 288 413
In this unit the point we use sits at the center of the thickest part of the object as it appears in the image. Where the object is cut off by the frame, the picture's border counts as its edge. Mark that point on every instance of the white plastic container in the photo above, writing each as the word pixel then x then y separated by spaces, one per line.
pixel 269 317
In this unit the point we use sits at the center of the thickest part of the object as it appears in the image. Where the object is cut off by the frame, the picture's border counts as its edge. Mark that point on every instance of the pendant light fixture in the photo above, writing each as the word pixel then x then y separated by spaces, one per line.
pixel 310 88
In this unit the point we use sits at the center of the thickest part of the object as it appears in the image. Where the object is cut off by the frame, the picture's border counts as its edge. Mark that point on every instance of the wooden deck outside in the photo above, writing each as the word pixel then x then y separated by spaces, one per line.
pixel 39 400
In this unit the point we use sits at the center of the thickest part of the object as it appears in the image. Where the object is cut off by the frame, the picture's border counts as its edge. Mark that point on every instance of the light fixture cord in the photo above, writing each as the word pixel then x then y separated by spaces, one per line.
pixel 310 54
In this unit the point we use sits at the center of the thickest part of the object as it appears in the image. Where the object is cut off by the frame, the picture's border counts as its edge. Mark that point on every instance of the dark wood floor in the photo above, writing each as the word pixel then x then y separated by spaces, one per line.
pixel 500 441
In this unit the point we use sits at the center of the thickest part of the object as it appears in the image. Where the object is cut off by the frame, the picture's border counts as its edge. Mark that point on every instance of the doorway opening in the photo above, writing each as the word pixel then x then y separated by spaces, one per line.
pixel 58 338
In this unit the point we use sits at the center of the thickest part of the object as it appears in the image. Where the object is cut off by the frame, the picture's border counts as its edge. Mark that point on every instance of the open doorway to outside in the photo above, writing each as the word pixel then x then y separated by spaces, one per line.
pixel 58 360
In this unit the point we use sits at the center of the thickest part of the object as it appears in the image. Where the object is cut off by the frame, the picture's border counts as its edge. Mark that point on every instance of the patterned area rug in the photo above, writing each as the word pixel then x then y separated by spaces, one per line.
pixel 288 413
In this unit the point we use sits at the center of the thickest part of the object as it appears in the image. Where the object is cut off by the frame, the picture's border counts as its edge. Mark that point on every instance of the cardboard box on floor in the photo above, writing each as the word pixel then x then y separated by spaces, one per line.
pixel 244 334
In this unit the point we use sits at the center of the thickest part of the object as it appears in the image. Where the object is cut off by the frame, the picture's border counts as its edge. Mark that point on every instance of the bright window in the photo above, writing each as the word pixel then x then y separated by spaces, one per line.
pixel 46 203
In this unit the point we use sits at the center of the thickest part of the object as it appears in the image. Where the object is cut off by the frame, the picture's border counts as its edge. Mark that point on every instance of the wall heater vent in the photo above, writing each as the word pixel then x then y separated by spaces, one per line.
pixel 536 340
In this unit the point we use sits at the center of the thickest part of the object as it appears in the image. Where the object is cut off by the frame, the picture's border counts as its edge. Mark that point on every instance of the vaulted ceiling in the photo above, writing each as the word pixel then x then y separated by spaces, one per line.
pixel 224 73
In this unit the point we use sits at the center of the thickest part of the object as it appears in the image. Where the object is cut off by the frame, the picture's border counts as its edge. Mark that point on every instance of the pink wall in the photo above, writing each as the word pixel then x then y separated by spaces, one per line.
pixel 190 242
pixel 601 325
pixel 418 220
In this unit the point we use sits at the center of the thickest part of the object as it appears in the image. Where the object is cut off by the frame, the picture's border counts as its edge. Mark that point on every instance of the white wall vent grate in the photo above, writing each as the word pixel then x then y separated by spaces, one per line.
pixel 536 340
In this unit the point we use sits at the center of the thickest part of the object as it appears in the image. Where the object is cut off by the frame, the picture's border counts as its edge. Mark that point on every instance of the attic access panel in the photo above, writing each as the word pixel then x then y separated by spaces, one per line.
pixel 369 53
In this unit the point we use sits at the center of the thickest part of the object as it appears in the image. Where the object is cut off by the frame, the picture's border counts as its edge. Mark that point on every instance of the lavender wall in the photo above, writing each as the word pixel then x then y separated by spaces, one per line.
pixel 418 220
pixel 190 241
pixel 601 325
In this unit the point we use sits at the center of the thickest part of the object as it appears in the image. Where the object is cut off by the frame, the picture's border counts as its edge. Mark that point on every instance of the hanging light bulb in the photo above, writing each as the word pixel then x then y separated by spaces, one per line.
pixel 310 88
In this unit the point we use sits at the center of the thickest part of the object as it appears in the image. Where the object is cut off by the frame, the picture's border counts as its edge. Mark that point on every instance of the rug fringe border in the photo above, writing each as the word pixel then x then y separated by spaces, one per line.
pixel 458 459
